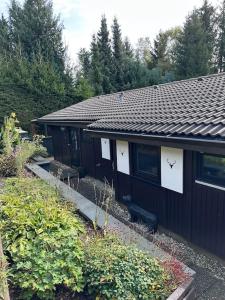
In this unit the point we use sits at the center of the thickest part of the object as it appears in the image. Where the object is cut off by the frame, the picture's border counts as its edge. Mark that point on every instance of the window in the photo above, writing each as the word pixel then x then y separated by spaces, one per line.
pixel 211 168
pixel 147 162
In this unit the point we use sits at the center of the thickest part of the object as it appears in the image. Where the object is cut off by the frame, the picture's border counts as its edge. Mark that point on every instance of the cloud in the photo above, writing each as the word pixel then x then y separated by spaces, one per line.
pixel 137 18
pixel 140 18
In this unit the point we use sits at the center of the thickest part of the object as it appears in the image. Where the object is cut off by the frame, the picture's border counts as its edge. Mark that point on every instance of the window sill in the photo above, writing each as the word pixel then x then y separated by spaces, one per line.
pixel 210 185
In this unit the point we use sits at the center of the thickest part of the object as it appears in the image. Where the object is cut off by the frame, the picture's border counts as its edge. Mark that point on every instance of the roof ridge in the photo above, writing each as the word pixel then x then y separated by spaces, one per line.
pixel 159 84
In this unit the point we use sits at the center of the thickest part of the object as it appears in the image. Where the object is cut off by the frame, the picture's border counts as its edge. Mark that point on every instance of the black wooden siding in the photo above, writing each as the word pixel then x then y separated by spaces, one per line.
pixel 198 214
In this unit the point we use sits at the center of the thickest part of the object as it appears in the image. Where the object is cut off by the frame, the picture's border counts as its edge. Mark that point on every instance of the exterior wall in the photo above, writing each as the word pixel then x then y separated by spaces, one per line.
pixel 197 214
pixel 90 152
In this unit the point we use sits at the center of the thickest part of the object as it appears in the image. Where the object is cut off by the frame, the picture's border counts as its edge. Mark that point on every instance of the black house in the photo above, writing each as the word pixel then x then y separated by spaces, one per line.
pixel 162 145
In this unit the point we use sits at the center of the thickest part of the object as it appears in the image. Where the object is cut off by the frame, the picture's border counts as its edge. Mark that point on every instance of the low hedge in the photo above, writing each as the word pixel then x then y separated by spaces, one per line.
pixel 116 271
pixel 42 239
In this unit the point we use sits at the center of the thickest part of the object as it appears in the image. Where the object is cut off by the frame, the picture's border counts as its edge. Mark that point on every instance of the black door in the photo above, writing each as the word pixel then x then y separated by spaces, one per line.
pixel 65 144
pixel 104 168
pixel 61 144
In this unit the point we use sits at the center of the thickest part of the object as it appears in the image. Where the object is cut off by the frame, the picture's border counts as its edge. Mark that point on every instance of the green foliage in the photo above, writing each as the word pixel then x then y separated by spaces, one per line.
pixel 105 54
pixel 26 150
pixel 192 52
pixel 118 56
pixel 221 39
pixel 29 105
pixel 35 78
pixel 15 151
pixel 9 136
pixel 112 66
pixel 42 238
pixel 83 88
pixel 208 16
pixel 116 271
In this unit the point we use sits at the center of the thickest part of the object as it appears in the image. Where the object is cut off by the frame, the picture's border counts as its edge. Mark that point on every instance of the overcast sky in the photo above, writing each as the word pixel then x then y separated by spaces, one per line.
pixel 138 18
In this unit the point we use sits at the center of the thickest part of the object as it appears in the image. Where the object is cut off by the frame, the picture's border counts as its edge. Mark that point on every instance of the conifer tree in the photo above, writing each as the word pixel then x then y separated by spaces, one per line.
pixel 4 37
pixel 96 76
pixel 208 18
pixel 118 55
pixel 221 39
pixel 84 58
pixel 38 31
pixel 128 50
pixel 192 52
pixel 105 55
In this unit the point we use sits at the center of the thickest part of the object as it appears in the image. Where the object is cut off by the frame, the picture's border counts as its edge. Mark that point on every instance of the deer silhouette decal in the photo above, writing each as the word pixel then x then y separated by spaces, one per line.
pixel 171 164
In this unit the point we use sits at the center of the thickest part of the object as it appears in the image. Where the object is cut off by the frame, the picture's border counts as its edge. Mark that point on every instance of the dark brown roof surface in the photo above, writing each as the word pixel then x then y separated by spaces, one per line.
pixel 194 107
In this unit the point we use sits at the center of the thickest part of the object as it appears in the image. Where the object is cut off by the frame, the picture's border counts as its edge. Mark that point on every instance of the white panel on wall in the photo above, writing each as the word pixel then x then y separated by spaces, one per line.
pixel 105 143
pixel 122 152
pixel 172 169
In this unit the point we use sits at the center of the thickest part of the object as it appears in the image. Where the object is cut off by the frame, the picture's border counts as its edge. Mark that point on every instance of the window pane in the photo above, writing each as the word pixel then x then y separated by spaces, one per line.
pixel 147 161
pixel 212 168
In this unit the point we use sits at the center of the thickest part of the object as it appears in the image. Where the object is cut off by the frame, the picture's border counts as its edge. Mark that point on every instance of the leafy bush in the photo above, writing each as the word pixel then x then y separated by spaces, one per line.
pixel 16 152
pixel 116 271
pixel 26 150
pixel 9 137
pixel 41 237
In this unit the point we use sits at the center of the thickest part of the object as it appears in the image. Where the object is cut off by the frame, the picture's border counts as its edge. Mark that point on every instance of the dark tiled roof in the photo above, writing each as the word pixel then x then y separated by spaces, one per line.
pixel 194 107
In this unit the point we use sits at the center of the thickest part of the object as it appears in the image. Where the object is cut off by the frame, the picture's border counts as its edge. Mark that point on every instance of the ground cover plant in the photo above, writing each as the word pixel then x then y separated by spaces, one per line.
pixel 117 271
pixel 41 237
pixel 50 251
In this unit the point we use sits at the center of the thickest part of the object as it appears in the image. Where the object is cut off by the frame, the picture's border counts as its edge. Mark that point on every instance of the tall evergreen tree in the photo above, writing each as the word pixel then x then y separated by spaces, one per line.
pixel 192 52
pixel 159 48
pixel 4 37
pixel 105 54
pixel 84 58
pixel 209 19
pixel 128 50
pixel 38 31
pixel 96 76
pixel 221 39
pixel 118 55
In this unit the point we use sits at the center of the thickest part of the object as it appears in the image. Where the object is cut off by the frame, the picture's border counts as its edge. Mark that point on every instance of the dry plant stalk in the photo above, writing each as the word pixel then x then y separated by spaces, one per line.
pixel 103 199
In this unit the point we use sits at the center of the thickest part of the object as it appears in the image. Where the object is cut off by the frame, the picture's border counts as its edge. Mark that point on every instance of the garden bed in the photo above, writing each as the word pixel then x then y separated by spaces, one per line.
pixel 40 193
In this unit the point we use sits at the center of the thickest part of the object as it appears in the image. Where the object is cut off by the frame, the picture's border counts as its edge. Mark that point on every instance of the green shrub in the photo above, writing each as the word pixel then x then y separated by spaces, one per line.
pixel 42 239
pixel 116 271
pixel 9 135
pixel 26 150
pixel 16 152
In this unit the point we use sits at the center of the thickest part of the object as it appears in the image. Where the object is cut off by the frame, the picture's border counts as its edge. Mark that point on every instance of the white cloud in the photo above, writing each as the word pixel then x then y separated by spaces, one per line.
pixel 138 18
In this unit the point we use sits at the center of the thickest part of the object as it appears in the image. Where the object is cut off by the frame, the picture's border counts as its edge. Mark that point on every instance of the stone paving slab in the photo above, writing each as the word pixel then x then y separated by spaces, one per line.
pixel 95 213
